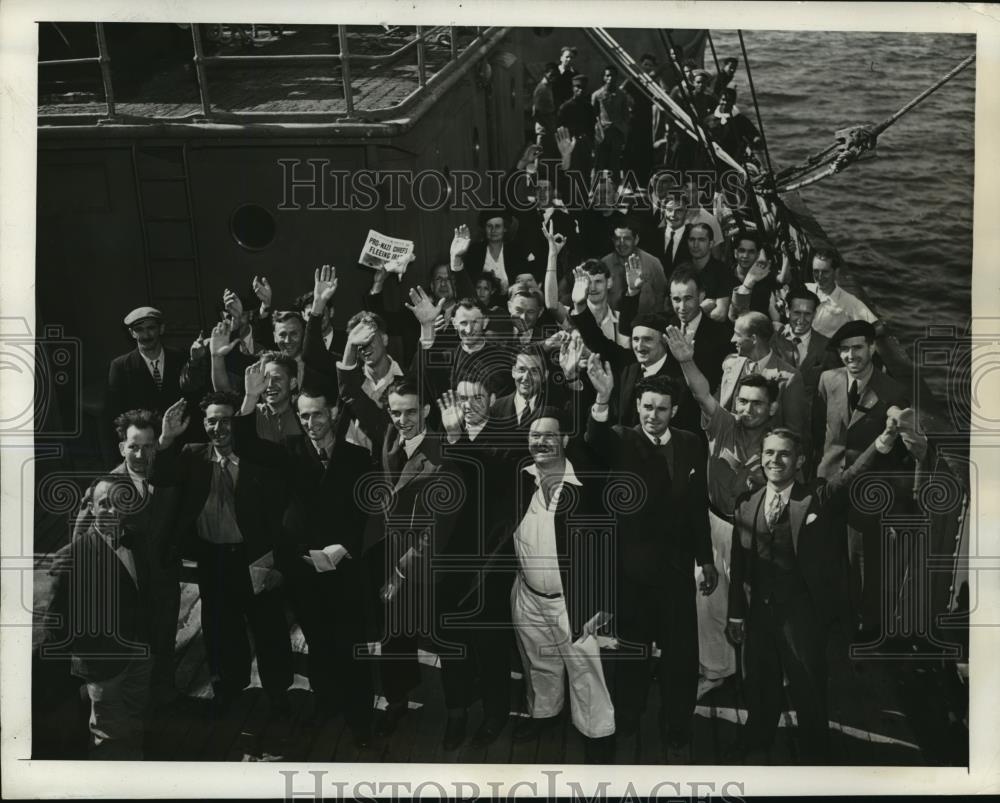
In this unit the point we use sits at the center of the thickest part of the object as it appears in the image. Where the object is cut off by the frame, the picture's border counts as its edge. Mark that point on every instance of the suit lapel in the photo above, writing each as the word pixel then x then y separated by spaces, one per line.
pixel 868 400
pixel 838 397
pixel 796 515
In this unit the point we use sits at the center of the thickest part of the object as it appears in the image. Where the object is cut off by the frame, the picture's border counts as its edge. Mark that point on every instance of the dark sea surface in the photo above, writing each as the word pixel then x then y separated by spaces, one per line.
pixel 903 221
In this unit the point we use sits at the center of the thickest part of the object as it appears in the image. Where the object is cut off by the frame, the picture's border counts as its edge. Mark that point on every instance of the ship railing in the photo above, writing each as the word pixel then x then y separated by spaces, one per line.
pixel 427 79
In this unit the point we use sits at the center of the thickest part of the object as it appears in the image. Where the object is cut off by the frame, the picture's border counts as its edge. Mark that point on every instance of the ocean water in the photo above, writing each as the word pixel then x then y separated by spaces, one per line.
pixel 903 221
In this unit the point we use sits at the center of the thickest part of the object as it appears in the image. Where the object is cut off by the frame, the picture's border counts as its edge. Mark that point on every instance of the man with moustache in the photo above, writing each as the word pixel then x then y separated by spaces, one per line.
pixel 734 440
pixel 786 556
pixel 562 594
pixel 321 545
pixel 226 520
pixel 659 546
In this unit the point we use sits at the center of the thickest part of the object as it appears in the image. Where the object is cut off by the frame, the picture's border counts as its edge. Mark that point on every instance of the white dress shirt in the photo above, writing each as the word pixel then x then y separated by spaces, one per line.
pixel 374 390
pixel 160 361
pixel 535 536
pixel 650 370
pixel 837 308
pixel 413 444
pixel 497 268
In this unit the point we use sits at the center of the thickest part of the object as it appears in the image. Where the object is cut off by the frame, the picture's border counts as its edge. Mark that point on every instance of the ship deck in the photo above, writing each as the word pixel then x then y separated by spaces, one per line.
pixel 883 713
pixel 305 90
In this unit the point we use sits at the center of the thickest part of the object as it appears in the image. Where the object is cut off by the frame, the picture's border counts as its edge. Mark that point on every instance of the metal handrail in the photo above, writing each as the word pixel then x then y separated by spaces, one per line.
pixel 475 49
pixel 102 59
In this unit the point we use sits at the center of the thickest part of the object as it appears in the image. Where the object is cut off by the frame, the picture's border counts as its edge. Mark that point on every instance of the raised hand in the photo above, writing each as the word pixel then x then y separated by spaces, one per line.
pixel 460 242
pixel 221 342
pixel 451 413
pixel 531 153
pixel 556 241
pixel 233 304
pixel 564 142
pixel 423 309
pixel 758 271
pixel 324 285
pixel 254 379
pixel 398 266
pixel 581 286
pixel 262 289
pixel 600 377
pixel 198 347
pixel 174 422
pixel 570 352
pixel 680 346
pixel 362 332
pixel 633 275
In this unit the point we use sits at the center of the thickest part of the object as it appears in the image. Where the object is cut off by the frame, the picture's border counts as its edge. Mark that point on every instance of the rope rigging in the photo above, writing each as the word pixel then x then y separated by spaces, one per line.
pixel 854 143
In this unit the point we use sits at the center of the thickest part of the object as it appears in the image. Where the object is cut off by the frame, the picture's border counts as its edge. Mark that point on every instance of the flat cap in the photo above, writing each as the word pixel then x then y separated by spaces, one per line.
pixel 141 313
pixel 579 80
pixel 853 329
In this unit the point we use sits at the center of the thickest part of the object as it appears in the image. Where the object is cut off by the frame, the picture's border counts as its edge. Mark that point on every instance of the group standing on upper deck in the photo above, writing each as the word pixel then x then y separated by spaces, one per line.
pixel 618 439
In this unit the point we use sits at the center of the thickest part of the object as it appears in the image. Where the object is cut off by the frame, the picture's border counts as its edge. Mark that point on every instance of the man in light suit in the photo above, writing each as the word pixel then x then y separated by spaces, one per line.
pixel 787 543
pixel 752 336
pixel 851 404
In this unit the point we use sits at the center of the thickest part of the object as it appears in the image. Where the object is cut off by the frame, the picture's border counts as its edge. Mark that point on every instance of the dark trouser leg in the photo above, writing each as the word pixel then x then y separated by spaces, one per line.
pixel 165 600
pixel 678 672
pixel 801 642
pixel 631 666
pixel 458 672
pixel 266 615
pixel 224 583
pixel 763 686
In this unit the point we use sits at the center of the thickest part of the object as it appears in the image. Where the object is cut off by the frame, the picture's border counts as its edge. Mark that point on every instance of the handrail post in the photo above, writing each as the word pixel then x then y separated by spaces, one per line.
pixel 345 69
pixel 421 67
pixel 452 30
pixel 200 72
pixel 104 59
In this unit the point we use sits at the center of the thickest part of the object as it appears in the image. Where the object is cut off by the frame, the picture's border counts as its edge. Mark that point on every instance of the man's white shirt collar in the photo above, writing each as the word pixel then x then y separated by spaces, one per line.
pixel 692 326
pixel 413 444
pixel 649 370
pixel 785 495
pixel 662 440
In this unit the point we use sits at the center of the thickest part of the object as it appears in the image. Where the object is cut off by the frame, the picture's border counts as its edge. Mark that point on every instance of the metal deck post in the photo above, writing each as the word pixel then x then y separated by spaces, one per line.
pixel 421 66
pixel 104 59
pixel 345 69
pixel 200 71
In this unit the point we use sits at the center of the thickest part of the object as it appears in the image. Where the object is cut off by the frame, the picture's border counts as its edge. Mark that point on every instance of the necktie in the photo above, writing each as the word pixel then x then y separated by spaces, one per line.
pixel 773 511
pixel 797 341
pixel 751 367
pixel 324 458
pixel 227 476
pixel 157 376
pixel 853 396
pixel 145 489
pixel 525 412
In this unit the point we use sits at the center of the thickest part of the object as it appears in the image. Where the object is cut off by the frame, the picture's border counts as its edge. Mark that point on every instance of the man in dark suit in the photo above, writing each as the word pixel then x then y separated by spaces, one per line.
pixel 411 524
pixel 148 522
pixel 801 345
pixel 650 356
pixel 149 377
pixel 320 550
pixel 851 405
pixel 227 520
pixel 104 605
pixel 786 556
pixel 659 543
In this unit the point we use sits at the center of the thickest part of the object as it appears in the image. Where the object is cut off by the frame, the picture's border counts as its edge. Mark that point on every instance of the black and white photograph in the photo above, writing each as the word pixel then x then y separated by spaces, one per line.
pixel 455 392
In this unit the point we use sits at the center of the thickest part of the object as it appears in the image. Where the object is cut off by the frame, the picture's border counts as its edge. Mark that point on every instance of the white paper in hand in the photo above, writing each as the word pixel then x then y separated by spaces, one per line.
pixel 259 569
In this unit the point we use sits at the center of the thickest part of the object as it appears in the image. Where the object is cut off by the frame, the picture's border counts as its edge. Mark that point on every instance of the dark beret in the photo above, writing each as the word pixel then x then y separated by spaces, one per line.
pixel 651 320
pixel 853 329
